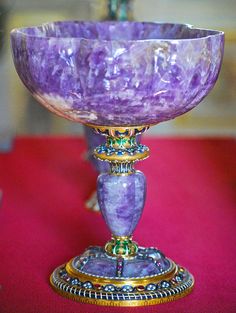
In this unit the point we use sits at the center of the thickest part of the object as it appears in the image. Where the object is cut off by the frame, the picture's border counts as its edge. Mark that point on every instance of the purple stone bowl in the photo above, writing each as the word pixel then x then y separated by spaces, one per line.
pixel 117 73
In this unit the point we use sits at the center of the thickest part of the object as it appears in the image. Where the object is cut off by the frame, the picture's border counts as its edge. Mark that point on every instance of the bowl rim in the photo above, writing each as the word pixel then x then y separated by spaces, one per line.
pixel 21 31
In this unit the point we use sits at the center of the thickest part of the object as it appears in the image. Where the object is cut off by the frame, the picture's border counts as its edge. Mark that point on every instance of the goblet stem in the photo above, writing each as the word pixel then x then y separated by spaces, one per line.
pixel 93 140
pixel 121 273
pixel 121 192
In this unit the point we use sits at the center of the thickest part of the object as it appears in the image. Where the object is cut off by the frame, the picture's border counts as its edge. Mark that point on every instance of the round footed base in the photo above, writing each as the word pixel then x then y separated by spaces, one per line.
pixel 146 279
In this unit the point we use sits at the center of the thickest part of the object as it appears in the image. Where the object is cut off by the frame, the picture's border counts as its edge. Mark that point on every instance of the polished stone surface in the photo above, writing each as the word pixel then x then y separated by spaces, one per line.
pixel 121 200
pixel 148 261
pixel 101 266
pixel 118 73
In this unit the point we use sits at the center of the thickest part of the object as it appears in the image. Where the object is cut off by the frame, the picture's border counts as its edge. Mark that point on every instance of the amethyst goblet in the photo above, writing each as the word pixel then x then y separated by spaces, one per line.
pixel 119 78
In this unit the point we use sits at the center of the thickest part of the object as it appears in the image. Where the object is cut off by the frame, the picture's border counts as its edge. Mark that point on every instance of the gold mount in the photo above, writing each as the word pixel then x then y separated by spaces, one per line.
pixel 121 246
pixel 121 145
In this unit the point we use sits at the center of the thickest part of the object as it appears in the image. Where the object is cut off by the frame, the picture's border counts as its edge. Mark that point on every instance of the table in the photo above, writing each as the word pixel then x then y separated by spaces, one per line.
pixel 190 214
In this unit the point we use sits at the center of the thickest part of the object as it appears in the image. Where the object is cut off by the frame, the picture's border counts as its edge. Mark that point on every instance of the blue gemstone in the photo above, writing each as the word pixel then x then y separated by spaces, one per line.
pixel 165 284
pixel 74 281
pixel 119 152
pixel 87 285
pixel 109 288
pixel 127 288
pixel 151 287
pixel 178 278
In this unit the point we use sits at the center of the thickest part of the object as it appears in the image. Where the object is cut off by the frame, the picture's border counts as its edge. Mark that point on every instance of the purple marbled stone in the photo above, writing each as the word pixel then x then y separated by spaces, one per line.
pixel 102 266
pixel 137 268
pixel 133 268
pixel 117 73
pixel 121 200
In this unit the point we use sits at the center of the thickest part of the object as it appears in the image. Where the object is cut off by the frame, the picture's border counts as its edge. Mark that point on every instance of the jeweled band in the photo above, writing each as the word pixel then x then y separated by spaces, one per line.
pixel 70 281
pixel 121 145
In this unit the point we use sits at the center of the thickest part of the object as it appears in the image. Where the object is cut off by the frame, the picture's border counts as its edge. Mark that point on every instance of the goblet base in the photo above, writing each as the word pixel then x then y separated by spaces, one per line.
pixel 148 278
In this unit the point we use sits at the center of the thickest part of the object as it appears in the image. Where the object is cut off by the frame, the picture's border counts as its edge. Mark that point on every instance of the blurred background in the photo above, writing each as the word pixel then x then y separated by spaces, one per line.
pixel 19 112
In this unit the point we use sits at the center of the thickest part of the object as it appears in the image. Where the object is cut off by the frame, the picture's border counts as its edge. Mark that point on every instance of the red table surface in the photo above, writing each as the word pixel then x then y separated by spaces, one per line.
pixel 189 214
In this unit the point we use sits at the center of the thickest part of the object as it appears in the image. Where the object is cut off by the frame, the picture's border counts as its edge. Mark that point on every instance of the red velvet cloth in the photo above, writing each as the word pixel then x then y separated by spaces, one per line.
pixel 189 215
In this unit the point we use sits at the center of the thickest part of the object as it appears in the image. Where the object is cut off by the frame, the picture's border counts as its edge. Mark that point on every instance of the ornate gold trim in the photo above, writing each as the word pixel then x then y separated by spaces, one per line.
pixel 123 303
pixel 121 246
pixel 119 128
pixel 123 158
pixel 121 145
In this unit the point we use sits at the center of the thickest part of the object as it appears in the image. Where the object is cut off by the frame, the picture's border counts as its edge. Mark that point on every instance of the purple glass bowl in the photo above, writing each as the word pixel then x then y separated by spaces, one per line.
pixel 117 73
